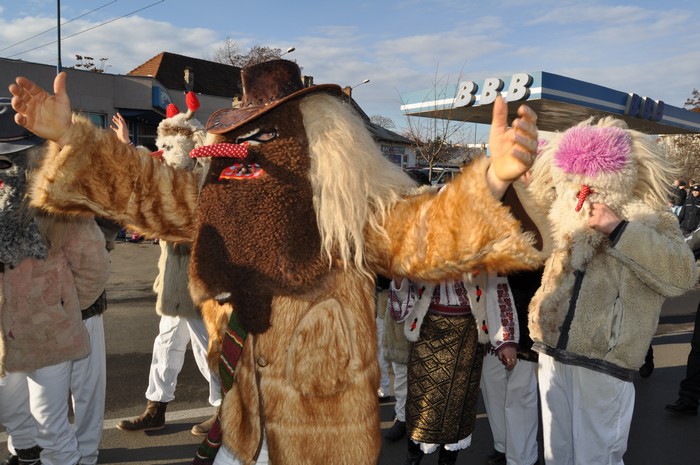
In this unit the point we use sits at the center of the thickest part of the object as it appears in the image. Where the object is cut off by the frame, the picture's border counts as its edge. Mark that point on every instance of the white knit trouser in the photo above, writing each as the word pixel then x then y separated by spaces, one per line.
pixel 15 414
pixel 400 389
pixel 384 380
pixel 49 387
pixel 586 415
pixel 169 349
pixel 510 398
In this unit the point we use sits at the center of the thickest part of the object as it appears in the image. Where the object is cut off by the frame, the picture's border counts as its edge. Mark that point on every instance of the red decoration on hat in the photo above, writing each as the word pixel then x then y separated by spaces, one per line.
pixel 192 101
pixel 223 150
pixel 171 111
pixel 158 155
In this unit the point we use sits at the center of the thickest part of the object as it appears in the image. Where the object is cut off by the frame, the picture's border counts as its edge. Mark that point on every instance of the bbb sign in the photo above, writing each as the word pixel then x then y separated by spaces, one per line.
pixel 519 89
pixel 644 107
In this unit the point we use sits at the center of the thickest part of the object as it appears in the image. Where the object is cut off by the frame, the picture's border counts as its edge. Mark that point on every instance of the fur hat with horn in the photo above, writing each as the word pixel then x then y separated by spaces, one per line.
pixel 179 133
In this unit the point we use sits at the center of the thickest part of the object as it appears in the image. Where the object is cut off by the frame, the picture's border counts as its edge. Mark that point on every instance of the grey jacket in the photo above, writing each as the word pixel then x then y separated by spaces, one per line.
pixel 604 316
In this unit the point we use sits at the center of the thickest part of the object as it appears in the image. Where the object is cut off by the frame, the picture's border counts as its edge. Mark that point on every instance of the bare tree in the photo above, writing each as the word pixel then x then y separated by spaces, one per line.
pixel 438 137
pixel 88 64
pixel 230 53
pixel 684 149
pixel 227 53
pixel 693 102
pixel 383 121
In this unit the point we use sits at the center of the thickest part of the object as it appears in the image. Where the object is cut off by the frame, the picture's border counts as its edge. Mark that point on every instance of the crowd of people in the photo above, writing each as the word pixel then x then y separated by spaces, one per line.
pixel 575 394
pixel 575 329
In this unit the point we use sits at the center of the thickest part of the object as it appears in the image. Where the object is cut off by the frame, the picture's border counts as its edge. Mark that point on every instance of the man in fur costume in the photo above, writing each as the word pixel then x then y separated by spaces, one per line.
pixel 180 321
pixel 618 253
pixel 296 214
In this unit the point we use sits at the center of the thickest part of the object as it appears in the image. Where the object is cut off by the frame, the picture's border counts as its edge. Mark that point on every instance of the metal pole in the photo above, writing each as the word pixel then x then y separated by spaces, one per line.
pixel 59 67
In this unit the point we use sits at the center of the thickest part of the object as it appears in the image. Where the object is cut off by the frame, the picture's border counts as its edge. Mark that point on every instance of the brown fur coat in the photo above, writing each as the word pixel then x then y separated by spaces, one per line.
pixel 309 382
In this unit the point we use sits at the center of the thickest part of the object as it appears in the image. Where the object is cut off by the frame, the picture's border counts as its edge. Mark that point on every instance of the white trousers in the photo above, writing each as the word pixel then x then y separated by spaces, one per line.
pixel 384 380
pixel 400 389
pixel 586 415
pixel 510 398
pixel 226 457
pixel 15 414
pixel 49 388
pixel 169 349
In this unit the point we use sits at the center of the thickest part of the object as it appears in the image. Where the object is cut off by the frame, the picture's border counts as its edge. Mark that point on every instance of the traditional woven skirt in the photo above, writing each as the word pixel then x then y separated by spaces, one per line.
pixel 444 370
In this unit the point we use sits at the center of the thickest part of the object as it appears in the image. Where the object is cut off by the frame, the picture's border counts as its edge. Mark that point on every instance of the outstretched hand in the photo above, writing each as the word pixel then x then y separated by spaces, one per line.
pixel 120 128
pixel 47 116
pixel 513 149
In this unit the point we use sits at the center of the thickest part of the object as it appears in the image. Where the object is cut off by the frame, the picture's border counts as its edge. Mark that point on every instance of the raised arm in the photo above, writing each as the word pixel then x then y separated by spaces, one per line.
pixel 47 116
pixel 513 149
pixel 87 170
pixel 120 128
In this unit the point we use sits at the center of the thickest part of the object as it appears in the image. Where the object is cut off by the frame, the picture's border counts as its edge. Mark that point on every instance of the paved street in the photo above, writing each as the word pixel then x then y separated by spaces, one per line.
pixel 657 438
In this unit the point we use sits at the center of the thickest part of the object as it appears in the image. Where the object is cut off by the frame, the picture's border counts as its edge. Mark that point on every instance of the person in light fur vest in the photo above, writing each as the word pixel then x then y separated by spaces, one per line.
pixel 180 323
pixel 296 215
pixel 53 272
pixel 618 253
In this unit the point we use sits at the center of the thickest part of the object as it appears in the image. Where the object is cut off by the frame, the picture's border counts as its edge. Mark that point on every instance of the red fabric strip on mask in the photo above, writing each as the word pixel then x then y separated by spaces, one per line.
pixel 223 150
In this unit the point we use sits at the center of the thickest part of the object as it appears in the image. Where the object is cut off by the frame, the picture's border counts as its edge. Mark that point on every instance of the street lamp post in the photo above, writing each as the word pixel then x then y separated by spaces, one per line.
pixel 289 50
pixel 348 89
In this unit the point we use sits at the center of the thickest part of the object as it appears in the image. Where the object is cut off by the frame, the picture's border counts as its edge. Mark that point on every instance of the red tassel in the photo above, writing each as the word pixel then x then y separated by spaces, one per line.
pixel 192 101
pixel 171 111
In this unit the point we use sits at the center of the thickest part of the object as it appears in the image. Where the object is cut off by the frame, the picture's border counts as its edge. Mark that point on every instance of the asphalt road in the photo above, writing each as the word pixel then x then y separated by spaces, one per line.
pixel 657 438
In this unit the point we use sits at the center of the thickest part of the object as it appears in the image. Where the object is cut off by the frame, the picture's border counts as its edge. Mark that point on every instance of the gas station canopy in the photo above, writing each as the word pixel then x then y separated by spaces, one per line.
pixel 560 102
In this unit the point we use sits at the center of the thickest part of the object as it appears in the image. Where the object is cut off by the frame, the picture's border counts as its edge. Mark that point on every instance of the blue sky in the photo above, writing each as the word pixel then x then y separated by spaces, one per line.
pixel 651 48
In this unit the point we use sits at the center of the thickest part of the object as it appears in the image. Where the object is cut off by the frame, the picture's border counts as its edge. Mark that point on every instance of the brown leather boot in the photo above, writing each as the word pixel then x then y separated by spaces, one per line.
pixel 203 428
pixel 153 418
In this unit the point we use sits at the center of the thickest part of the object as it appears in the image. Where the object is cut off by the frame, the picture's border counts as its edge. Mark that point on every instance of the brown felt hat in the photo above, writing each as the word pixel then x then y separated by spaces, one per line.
pixel 266 85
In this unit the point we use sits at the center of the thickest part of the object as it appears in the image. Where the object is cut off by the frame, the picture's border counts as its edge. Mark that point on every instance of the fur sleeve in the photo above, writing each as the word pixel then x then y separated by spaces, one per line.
pixel 97 174
pixel 439 236
pixel 665 263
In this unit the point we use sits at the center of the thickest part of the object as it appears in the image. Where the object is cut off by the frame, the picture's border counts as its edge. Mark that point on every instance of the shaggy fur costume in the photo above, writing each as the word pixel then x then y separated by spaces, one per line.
pixel 20 236
pixel 177 136
pixel 297 264
pixel 600 298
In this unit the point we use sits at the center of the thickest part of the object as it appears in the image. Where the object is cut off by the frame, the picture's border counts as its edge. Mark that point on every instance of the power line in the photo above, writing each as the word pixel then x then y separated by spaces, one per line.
pixel 62 24
pixel 88 29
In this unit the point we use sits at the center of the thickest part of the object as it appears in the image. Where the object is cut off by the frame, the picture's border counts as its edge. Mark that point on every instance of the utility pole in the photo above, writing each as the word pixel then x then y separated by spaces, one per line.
pixel 59 67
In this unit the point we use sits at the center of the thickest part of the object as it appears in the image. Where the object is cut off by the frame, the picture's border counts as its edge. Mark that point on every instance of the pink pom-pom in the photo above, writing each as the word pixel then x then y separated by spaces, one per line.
pixel 591 151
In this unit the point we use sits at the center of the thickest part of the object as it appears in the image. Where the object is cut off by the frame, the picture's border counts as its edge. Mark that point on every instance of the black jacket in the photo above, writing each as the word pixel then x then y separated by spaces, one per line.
pixel 689 216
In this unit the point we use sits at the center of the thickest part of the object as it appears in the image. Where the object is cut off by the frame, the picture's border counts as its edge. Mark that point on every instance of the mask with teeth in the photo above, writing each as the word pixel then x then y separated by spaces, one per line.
pixel 257 194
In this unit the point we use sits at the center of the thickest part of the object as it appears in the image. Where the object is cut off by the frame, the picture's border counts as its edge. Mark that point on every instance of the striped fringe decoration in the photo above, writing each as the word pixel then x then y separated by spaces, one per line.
pixel 232 347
